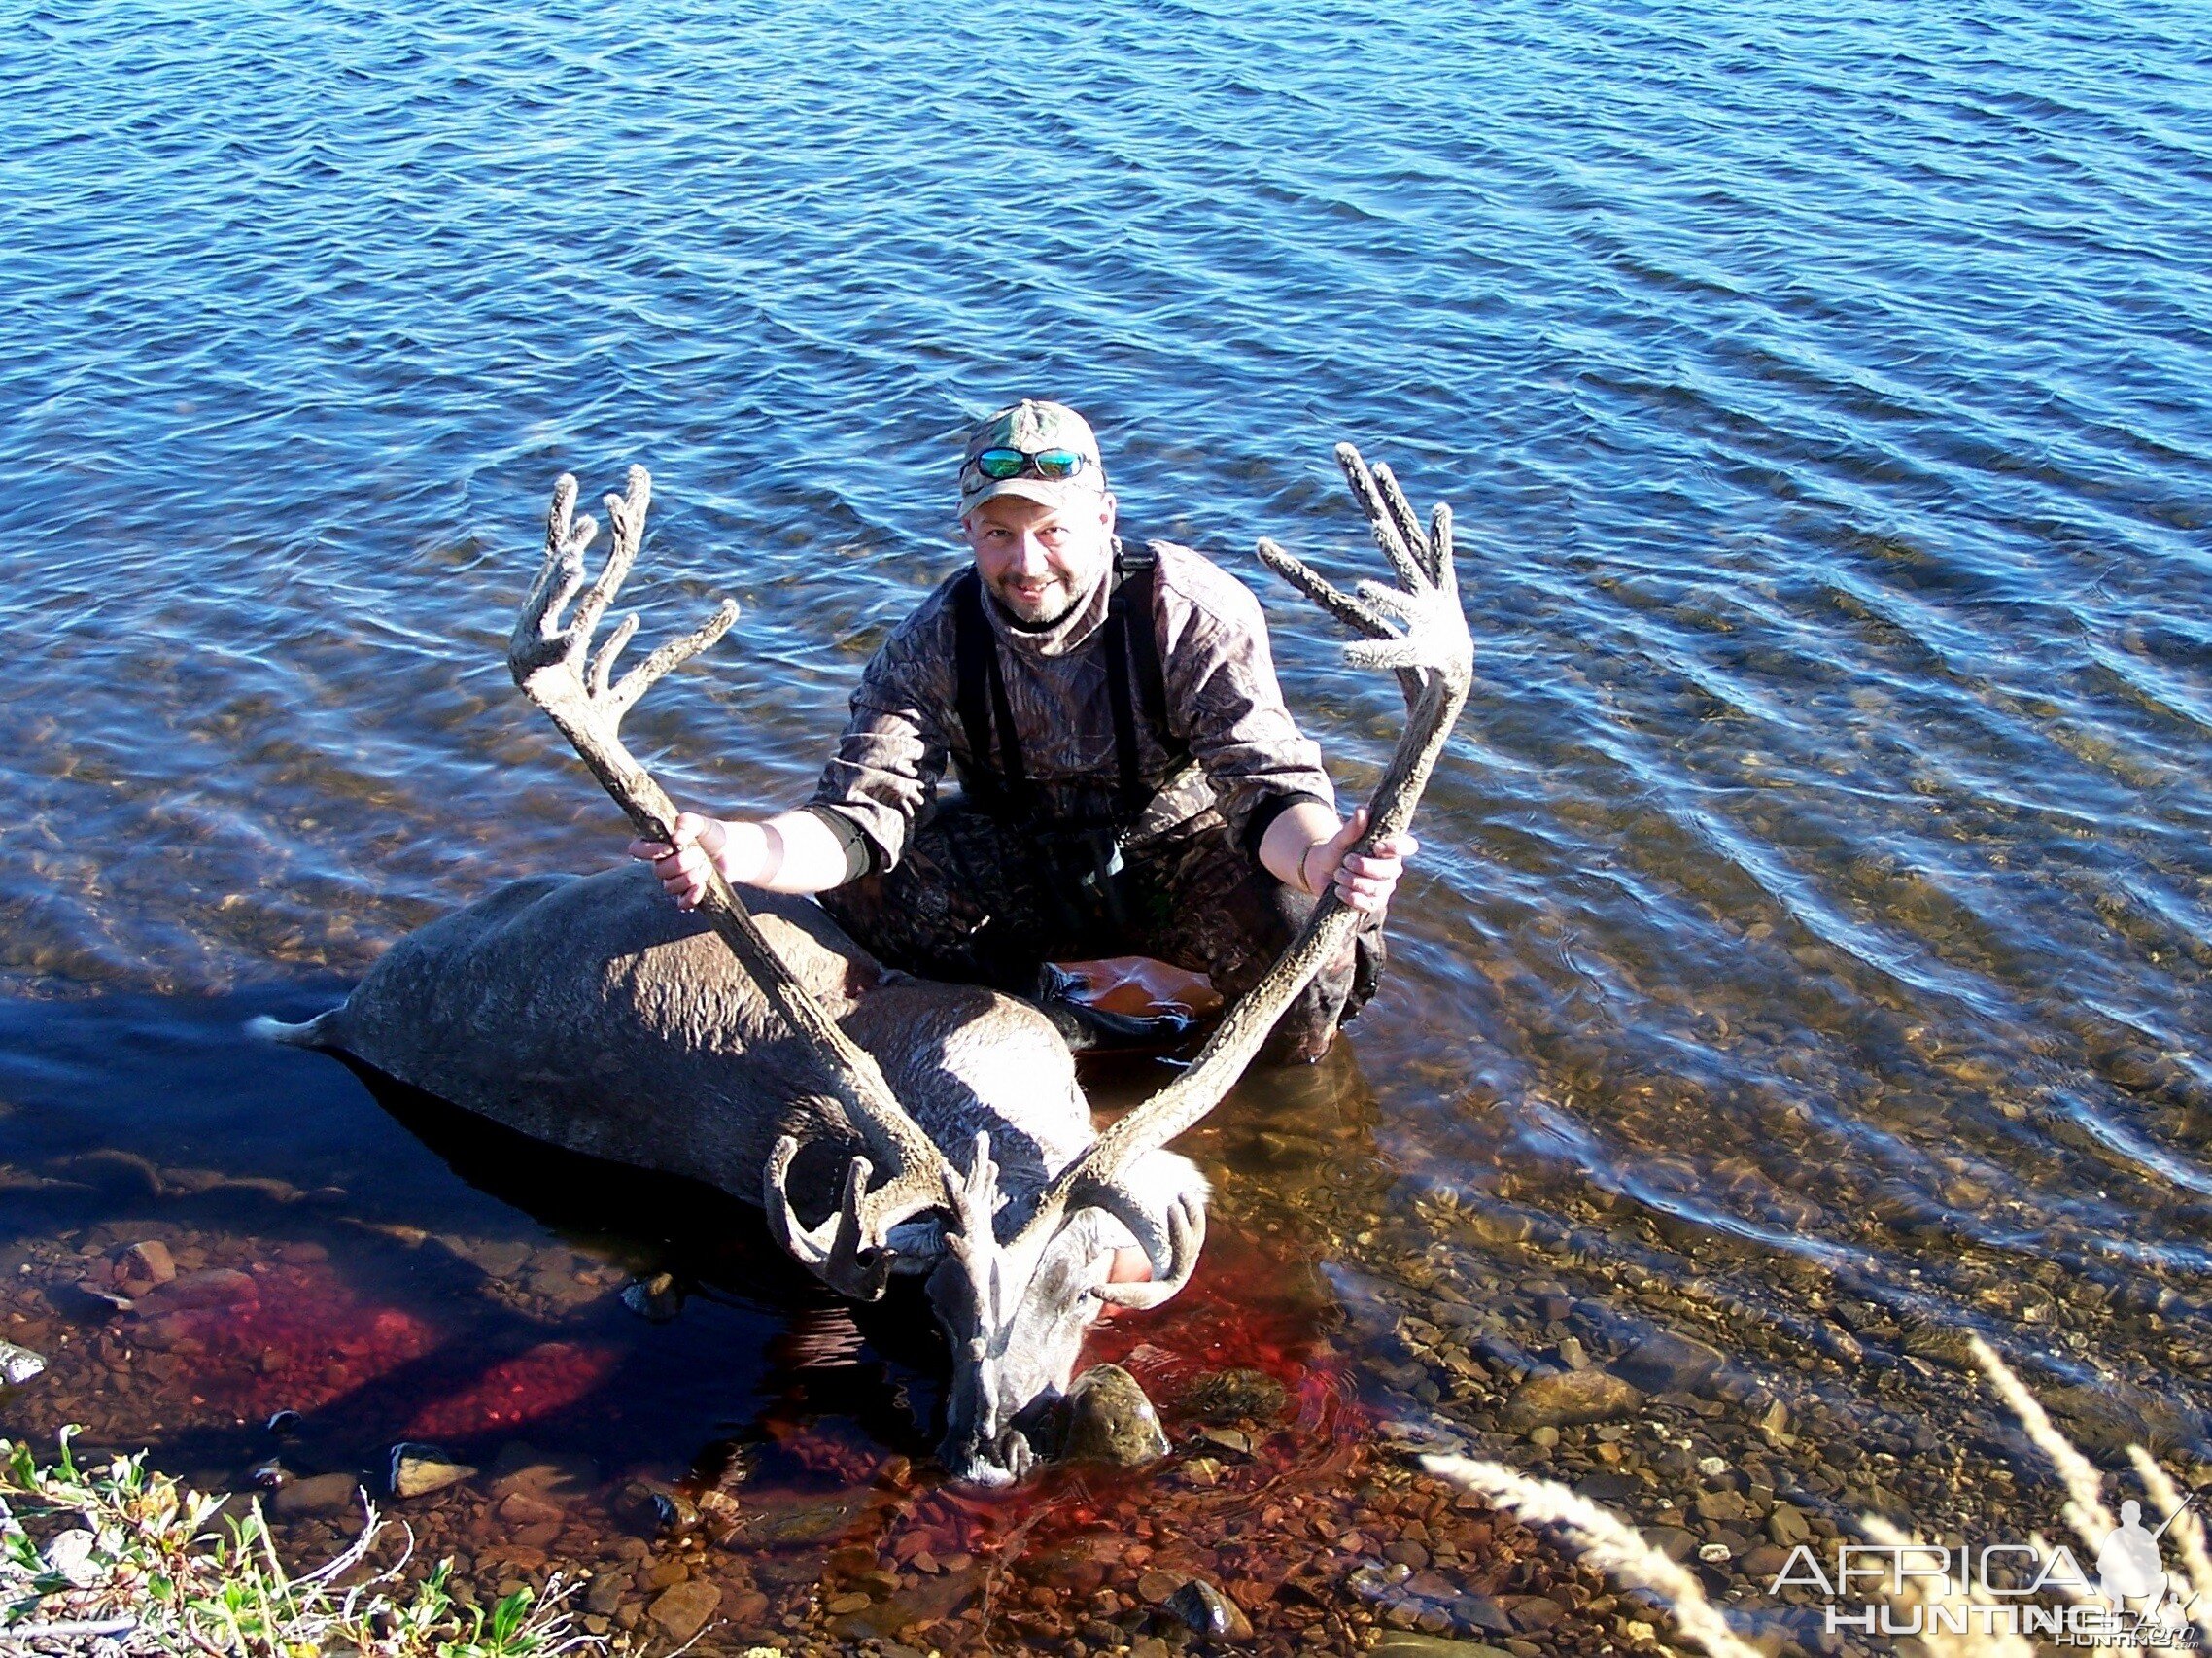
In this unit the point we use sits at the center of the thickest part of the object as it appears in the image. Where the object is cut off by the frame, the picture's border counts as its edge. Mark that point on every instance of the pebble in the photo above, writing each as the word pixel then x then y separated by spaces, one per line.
pixel 69 1556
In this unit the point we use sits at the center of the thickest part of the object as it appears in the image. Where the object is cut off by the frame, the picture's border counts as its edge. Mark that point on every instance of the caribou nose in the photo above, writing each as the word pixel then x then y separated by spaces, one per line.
pixel 976 1468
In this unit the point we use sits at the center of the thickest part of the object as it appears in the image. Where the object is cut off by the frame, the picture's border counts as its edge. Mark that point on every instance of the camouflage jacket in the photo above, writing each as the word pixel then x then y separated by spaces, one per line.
pixel 1245 759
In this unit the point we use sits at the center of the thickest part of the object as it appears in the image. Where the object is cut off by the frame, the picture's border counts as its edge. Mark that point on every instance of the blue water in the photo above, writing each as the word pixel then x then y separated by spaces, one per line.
pixel 1821 871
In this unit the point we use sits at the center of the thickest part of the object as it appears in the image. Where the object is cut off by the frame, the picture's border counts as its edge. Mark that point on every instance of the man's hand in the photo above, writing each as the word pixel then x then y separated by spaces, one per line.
pixel 700 842
pixel 1364 882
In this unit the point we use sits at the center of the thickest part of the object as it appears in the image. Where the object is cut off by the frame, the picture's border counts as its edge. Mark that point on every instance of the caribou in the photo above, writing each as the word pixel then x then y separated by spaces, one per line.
pixel 886 1125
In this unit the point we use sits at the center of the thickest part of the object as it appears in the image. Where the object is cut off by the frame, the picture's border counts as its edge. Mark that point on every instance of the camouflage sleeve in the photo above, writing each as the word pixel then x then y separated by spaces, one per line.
pixel 892 751
pixel 1223 697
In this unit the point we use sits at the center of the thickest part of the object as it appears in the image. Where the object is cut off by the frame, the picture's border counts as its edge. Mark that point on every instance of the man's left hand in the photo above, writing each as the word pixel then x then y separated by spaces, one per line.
pixel 1364 882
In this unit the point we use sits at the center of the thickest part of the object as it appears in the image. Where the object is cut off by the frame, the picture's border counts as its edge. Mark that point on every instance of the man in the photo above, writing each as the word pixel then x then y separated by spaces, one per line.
pixel 1131 781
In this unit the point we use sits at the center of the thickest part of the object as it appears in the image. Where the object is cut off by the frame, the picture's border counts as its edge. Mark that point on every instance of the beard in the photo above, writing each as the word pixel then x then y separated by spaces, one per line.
pixel 1043 605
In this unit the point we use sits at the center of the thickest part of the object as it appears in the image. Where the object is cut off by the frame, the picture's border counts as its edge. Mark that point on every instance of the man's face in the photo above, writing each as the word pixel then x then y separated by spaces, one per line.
pixel 1038 562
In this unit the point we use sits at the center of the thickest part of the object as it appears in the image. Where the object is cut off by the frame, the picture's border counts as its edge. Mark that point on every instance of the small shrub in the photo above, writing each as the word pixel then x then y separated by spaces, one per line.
pixel 141 1565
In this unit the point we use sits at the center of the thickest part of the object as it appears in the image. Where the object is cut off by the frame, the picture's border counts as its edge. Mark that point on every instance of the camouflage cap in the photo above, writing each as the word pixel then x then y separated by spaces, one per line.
pixel 1031 426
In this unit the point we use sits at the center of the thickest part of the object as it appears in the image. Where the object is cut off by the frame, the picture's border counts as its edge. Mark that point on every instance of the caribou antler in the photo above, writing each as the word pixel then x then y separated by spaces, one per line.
pixel 552 663
pixel 1415 630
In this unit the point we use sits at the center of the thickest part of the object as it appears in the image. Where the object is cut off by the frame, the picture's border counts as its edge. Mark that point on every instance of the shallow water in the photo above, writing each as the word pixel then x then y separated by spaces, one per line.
pixel 1809 949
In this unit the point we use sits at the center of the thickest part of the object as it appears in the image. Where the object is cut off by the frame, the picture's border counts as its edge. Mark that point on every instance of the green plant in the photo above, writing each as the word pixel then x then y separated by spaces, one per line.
pixel 132 1556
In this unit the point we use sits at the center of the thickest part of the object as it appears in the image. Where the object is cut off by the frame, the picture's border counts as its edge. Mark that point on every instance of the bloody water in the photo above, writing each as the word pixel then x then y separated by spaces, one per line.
pixel 401 1272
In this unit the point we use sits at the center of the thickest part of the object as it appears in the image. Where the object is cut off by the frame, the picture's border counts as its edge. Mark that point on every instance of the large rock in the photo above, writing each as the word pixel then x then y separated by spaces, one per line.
pixel 1110 1420
pixel 1568 1397
pixel 1666 1363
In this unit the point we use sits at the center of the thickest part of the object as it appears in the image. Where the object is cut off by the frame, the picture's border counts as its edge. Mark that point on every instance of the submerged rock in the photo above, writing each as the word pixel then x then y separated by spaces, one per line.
pixel 323 1494
pixel 557 1477
pixel 1227 1396
pixel 1408 1643
pixel 142 1265
pixel 1109 1419
pixel 417 1470
pixel 684 1608
pixel 1568 1398
pixel 655 1300
pixel 18 1365
pixel 1209 1612
pixel 1667 1363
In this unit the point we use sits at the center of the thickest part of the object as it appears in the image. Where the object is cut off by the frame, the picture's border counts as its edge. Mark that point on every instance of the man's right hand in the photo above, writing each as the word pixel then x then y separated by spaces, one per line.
pixel 700 844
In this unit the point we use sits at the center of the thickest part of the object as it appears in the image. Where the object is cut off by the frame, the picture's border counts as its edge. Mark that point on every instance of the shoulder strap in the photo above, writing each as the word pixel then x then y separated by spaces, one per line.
pixel 980 691
pixel 1134 793
pixel 1140 567
pixel 1133 654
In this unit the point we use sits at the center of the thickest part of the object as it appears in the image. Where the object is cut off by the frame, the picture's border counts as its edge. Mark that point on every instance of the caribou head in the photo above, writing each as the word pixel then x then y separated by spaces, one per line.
pixel 1016 1256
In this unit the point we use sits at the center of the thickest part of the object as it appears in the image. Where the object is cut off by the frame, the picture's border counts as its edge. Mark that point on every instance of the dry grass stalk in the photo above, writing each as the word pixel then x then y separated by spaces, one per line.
pixel 2188 1534
pixel 2086 1512
pixel 1937 1637
pixel 1602 1539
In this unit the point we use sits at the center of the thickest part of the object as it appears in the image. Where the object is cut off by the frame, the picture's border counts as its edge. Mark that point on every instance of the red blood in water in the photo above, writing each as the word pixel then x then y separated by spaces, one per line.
pixel 296 1337
pixel 1245 1309
pixel 548 1378
pixel 302 1338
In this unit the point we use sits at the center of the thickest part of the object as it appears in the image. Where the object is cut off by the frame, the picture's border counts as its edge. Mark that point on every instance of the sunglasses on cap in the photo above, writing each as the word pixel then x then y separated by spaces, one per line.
pixel 1054 465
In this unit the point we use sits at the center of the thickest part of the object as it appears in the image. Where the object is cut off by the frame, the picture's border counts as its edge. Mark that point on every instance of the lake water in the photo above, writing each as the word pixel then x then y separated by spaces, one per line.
pixel 1808 952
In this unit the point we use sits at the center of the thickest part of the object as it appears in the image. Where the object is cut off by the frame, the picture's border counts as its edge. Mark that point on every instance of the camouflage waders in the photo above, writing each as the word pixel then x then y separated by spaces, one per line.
pixel 976 900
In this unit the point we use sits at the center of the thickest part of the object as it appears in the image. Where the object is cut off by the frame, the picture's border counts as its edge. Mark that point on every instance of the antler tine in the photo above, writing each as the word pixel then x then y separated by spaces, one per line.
pixel 537 636
pixel 667 658
pixel 602 665
pixel 1380 519
pixel 548 665
pixel 1434 657
pixel 1402 515
pixel 626 516
pixel 1318 588
pixel 1186 1241
pixel 846 1250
